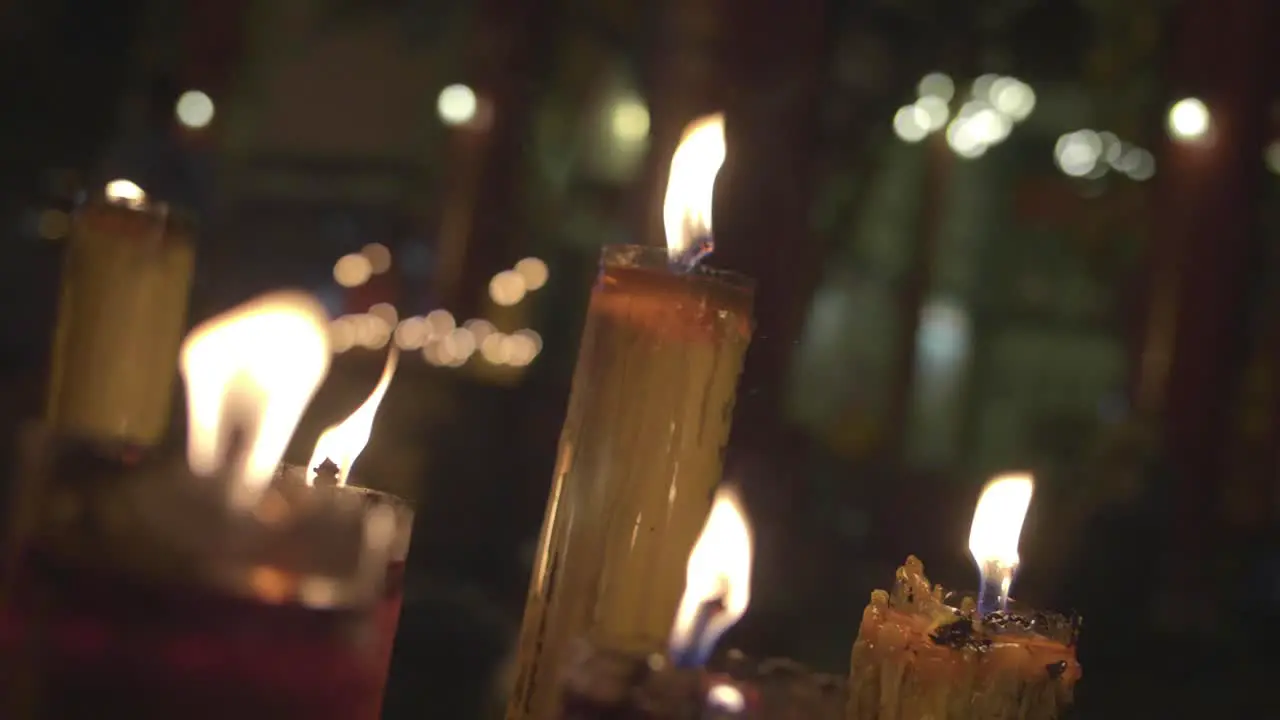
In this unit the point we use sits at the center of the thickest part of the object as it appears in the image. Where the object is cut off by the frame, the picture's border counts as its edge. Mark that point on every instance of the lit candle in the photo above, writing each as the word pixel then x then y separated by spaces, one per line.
pixel 923 653
pixel 604 682
pixel 260 596
pixel 642 445
pixel 328 471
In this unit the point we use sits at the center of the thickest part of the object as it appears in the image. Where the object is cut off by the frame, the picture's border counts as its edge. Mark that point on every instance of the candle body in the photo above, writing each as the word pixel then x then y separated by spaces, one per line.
pixel 138 594
pixel 916 658
pixel 122 311
pixel 639 458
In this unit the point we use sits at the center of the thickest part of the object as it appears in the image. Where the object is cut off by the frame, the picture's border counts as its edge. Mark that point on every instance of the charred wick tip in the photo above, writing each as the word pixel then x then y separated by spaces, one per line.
pixel 326 472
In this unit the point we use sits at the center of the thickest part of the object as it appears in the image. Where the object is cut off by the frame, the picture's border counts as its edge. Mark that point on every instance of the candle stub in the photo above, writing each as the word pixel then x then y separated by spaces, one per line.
pixel 121 315
pixel 921 654
pixel 639 460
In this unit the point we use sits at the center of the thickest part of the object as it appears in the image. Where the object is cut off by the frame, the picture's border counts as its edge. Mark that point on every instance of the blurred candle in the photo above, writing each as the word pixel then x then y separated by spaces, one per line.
pixel 640 452
pixel 126 279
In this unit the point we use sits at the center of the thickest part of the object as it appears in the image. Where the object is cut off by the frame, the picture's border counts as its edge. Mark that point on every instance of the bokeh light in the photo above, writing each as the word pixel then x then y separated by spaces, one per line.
pixel 938 85
pixel 352 270
pixel 440 323
pixel 125 192
pixel 194 109
pixel 534 272
pixel 1189 120
pixel 911 124
pixel 412 333
pixel 507 288
pixel 629 120
pixel 457 105
pixel 386 312
pixel 1077 153
pixel 379 257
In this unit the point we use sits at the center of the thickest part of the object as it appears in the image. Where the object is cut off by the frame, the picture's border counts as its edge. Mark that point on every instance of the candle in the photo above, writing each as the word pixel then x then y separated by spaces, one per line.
pixel 123 306
pixel 603 682
pixel 640 452
pixel 214 590
pixel 922 653
pixel 328 471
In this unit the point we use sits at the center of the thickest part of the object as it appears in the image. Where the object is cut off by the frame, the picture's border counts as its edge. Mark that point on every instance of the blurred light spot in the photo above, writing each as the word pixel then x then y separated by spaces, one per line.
pixel 459 344
pixel 629 120
pixel 982 85
pixel 1077 153
pixel 379 257
pixel 1272 157
pixel 984 124
pixel 386 312
pixel 372 331
pixel 507 288
pixel 1112 148
pixel 53 224
pixel 440 323
pixel 352 270
pixel 412 333
pixel 533 337
pixel 433 353
pixel 962 139
pixel 1188 119
pixel 194 109
pixel 1144 165
pixel 342 334
pixel 480 329
pixel 911 123
pixel 494 349
pixel 935 112
pixel 726 697
pixel 938 85
pixel 534 272
pixel 1013 98
pixel 457 105
pixel 125 192
pixel 520 350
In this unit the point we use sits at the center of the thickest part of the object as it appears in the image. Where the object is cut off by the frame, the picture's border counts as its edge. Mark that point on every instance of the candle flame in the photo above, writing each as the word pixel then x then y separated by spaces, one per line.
pixel 341 444
pixel 686 211
pixel 997 520
pixel 251 372
pixel 719 570
pixel 125 192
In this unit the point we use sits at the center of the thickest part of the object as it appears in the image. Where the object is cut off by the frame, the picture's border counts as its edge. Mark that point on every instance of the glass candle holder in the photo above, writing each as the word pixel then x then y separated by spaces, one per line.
pixel 639 458
pixel 126 281
pixel 141 594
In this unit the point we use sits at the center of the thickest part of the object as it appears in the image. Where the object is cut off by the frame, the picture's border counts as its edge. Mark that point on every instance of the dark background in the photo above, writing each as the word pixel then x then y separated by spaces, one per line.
pixel 925 319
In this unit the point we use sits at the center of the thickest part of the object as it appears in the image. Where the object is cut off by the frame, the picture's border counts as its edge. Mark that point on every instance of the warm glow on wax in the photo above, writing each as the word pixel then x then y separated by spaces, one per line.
pixel 997 525
pixel 251 372
pixel 686 211
pixel 341 444
pixel 719 570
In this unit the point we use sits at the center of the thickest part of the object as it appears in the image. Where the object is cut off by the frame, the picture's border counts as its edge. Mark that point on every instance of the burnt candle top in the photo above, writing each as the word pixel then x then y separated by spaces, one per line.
pixel 951 620
pixel 154 222
pixel 641 285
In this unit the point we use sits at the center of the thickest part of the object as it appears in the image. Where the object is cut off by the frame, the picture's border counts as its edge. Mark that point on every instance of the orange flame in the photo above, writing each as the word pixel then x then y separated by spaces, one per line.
pixel 686 211
pixel 252 369
pixel 341 444
pixel 719 569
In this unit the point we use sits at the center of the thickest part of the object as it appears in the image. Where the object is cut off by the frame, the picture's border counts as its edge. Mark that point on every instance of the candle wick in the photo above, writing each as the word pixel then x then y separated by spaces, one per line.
pixel 697 646
pixel 326 473
pixel 993 593
pixel 688 258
